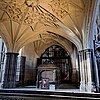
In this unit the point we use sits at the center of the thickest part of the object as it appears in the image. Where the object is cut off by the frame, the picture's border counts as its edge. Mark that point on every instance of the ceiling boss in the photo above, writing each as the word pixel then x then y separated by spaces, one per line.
pixel 31 3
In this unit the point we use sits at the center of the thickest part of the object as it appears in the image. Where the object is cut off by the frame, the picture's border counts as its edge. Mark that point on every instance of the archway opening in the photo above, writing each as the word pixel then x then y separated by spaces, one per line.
pixel 55 58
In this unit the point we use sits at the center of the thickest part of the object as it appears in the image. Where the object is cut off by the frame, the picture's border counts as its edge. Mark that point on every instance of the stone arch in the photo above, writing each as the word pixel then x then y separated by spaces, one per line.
pixel 61 33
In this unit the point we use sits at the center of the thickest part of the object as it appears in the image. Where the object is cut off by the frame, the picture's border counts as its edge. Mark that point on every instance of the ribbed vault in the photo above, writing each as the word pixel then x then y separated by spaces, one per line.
pixel 25 21
pixel 47 42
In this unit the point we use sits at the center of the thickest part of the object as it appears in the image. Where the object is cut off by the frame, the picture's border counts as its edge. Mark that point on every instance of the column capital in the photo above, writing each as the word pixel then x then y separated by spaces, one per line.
pixel 88 50
pixel 81 51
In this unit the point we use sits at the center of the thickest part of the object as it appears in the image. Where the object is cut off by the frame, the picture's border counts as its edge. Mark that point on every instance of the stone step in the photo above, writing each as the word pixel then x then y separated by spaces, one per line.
pixel 7 94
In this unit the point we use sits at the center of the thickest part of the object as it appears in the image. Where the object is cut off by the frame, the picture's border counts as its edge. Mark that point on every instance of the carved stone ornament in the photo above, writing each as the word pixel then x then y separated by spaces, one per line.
pixel 28 11
pixel 31 3
pixel 98 24
pixel 46 12
pixel 97 49
pixel 59 7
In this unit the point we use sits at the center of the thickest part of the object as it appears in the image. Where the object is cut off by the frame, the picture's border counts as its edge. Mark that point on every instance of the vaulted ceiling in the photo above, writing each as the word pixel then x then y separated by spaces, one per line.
pixel 26 21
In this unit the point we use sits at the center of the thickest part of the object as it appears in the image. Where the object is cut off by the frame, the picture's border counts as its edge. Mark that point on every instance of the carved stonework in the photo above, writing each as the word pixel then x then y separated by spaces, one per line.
pixel 98 24
pixel 98 21
pixel 29 12
pixel 31 3
pixel 33 11
pixel 59 7
pixel 98 54
pixel 97 38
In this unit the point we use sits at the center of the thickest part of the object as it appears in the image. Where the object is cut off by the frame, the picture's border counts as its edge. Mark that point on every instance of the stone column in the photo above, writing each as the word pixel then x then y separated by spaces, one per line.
pixel 86 70
pixel 10 70
pixel 89 70
pixel 82 77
